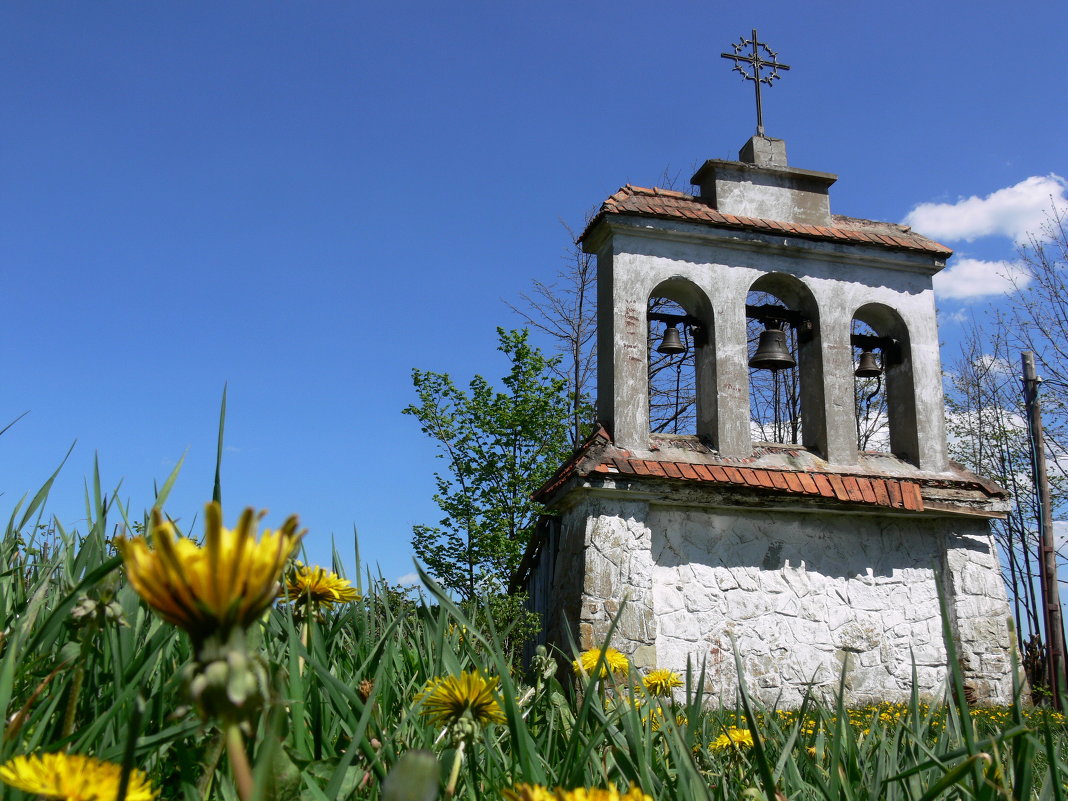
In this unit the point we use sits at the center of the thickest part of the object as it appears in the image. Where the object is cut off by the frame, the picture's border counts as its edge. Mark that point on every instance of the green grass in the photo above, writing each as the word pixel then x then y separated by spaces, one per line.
pixel 86 667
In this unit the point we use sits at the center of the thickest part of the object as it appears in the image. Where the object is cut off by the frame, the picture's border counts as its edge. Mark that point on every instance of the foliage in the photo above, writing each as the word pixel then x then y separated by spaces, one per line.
pixel 345 719
pixel 499 447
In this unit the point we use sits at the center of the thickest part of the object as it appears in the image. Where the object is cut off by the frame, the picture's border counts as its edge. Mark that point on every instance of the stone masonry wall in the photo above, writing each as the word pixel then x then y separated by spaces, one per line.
pixel 797 595
pixel 978 608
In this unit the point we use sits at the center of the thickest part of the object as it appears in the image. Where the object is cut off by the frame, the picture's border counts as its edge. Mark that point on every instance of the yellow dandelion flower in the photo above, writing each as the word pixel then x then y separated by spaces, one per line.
pixel 613 661
pixel 448 699
pixel 318 586
pixel 228 582
pixel 654 718
pixel 73 777
pixel 601 794
pixel 661 681
pixel 529 792
pixel 733 737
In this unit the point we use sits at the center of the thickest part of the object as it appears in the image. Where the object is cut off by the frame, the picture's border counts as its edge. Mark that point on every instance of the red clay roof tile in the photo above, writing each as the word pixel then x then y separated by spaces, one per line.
pixel 733 475
pixel 866 489
pixel 652 468
pixel 671 469
pixel 838 486
pixel 793 482
pixel 893 487
pixel 852 489
pixel 719 474
pixel 910 496
pixel 882 497
pixel 778 480
pixel 808 484
pixel 688 471
pixel 764 477
pixel 823 485
pixel 705 473
pixel 749 476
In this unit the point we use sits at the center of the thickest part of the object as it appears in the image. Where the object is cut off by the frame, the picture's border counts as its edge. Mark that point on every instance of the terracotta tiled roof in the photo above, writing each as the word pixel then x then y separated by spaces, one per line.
pixel 894 493
pixel 668 204
pixel 598 458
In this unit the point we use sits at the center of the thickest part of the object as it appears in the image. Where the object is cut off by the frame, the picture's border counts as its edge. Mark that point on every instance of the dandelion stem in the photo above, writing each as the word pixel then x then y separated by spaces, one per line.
pixel 305 631
pixel 457 760
pixel 214 753
pixel 304 642
pixel 72 699
pixel 239 764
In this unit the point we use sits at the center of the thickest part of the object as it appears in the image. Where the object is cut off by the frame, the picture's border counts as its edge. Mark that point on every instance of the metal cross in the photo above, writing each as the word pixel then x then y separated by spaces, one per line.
pixel 757 62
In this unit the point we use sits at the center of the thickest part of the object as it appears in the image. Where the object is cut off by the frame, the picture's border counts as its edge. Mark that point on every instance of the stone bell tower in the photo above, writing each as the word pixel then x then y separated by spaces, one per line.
pixel 804 558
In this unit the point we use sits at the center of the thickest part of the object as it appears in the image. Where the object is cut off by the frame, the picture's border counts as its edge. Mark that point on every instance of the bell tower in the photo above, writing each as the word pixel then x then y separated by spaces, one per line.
pixel 759 222
pixel 804 558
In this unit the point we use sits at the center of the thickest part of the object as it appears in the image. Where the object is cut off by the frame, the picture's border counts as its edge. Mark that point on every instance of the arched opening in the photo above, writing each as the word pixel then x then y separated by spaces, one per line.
pixel 884 392
pixel 785 370
pixel 869 389
pixel 681 365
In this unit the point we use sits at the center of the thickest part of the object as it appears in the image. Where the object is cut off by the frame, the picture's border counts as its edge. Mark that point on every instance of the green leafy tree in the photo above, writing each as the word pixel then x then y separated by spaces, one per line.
pixel 499 446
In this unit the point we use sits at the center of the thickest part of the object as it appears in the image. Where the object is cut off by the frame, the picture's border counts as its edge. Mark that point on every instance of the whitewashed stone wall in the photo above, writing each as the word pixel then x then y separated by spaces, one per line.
pixel 797 595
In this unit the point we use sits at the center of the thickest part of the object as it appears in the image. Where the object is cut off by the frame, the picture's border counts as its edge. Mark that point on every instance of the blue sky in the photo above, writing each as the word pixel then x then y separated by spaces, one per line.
pixel 307 200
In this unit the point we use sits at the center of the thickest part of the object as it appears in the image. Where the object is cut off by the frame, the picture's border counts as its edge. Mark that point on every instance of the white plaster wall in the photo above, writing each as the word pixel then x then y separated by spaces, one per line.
pixel 799 596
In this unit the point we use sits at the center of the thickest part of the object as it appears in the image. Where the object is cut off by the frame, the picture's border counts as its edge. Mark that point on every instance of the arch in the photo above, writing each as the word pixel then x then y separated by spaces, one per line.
pixel 900 382
pixel 793 293
pixel 694 303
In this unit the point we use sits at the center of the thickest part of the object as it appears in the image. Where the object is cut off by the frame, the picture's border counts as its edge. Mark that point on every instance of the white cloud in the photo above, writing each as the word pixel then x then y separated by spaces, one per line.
pixel 1060 534
pixel 1017 212
pixel 407 579
pixel 996 365
pixel 967 279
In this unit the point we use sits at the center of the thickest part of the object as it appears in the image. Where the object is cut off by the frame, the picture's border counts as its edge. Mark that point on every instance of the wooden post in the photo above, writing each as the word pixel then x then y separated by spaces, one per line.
pixel 1051 600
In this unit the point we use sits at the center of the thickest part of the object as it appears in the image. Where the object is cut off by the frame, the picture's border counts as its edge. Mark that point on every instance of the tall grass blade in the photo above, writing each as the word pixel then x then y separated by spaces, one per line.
pixel 216 492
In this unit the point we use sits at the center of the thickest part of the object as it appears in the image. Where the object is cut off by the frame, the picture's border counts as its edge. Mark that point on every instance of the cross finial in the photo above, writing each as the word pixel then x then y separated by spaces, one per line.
pixel 755 60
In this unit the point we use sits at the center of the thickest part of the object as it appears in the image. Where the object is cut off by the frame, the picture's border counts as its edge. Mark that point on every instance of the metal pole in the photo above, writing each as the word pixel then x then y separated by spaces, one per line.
pixel 756 83
pixel 1051 601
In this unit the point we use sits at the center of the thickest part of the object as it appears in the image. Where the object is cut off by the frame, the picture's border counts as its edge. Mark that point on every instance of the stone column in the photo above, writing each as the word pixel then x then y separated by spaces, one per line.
pixel 618 580
pixel 622 350
pixel 733 437
pixel 978 611
pixel 837 410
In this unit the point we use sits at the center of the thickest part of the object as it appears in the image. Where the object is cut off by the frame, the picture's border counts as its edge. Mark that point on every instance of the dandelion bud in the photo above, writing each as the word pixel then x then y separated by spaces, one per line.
pixel 544 666
pixel 364 689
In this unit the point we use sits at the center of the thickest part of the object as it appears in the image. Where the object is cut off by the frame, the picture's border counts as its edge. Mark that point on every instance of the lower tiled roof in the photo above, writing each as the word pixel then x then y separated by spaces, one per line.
pixel 894 493
pixel 599 457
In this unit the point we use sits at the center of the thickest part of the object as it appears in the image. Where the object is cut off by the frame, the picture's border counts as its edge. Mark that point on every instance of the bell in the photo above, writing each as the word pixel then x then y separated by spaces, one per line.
pixel 671 344
pixel 868 367
pixel 772 353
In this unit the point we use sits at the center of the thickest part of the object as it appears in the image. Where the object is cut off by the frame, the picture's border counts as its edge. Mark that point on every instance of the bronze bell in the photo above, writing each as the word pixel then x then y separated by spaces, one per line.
pixel 868 367
pixel 671 344
pixel 772 353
